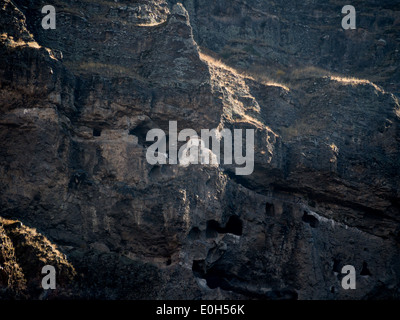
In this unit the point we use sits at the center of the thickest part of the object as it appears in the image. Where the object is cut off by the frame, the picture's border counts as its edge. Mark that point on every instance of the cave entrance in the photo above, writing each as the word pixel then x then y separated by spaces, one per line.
pixel 233 226
pixel 140 131
pixel 96 132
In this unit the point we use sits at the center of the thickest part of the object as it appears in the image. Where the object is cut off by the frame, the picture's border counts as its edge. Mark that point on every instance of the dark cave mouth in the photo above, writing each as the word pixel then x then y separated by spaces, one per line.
pixel 233 226
pixel 214 279
pixel 310 219
pixel 96 132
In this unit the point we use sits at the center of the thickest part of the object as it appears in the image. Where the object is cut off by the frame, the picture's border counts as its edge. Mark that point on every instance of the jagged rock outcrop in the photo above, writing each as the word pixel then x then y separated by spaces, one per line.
pixel 24 252
pixel 78 101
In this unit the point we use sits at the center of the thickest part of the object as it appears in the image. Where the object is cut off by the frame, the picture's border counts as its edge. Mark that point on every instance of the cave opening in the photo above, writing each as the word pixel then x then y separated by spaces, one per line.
pixel 365 271
pixel 310 219
pixel 96 132
pixel 140 132
pixel 234 226
pixel 198 268
pixel 269 209
pixel 213 228
pixel 217 281
pixel 214 278
pixel 336 265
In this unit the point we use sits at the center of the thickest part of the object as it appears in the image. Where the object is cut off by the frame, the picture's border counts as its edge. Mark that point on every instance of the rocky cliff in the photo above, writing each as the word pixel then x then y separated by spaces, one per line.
pixel 76 105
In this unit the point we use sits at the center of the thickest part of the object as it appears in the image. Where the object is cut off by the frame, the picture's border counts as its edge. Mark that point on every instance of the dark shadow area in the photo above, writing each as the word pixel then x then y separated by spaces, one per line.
pixel 365 271
pixel 194 234
pixel 233 226
pixel 310 219
pixel 336 265
pixel 96 132
pixel 269 209
pixel 141 132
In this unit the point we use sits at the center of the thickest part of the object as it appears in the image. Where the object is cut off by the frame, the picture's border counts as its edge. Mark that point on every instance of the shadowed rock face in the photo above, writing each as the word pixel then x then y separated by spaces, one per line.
pixel 78 101
pixel 280 38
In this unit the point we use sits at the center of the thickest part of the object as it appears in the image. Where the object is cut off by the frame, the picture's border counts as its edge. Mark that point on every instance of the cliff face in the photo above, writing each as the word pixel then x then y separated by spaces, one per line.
pixel 78 101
